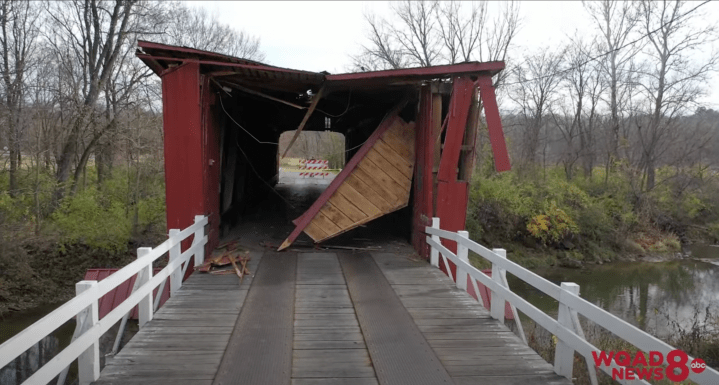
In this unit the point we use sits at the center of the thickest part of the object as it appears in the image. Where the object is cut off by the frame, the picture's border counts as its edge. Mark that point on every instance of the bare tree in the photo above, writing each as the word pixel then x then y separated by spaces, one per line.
pixel 617 21
pixel 431 33
pixel 671 82
pixel 196 28
pixel 19 31
pixel 534 90
pixel 92 32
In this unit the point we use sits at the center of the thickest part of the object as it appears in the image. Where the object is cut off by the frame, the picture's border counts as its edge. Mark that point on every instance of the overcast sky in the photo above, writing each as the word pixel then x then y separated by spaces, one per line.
pixel 320 36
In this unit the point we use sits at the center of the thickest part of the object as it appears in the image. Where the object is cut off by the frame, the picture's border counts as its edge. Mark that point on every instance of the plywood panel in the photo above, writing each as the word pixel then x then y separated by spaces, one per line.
pixel 377 181
pixel 388 167
pixel 376 186
pixel 336 216
pixel 381 177
pixel 358 200
pixel 315 232
pixel 325 224
pixel 397 160
pixel 367 191
pixel 347 208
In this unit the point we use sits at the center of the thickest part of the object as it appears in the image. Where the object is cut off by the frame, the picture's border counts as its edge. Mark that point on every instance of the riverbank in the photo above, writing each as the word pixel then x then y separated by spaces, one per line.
pixel 547 220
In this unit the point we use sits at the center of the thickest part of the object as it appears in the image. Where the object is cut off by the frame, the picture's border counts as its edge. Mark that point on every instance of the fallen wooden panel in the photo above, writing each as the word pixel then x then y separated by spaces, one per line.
pixel 377 182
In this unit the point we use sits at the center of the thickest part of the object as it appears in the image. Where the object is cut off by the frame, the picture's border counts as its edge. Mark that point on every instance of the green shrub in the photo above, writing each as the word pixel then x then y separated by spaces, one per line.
pixel 81 219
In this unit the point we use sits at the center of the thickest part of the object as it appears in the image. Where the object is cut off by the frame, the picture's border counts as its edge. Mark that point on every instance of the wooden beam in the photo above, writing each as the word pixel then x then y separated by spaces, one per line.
pixel 456 123
pixel 422 209
pixel 313 105
pixel 494 124
pixel 467 156
pixel 260 94
pixel 307 217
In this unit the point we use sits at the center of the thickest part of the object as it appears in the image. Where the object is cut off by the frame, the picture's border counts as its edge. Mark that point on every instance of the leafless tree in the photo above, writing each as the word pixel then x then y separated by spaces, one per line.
pixel 431 33
pixel 92 32
pixel 534 89
pixel 19 30
pixel 671 82
pixel 196 28
pixel 617 22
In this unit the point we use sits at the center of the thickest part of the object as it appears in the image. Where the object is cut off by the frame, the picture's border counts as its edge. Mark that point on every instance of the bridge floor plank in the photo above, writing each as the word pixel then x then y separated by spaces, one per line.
pixel 193 327
pixel 188 338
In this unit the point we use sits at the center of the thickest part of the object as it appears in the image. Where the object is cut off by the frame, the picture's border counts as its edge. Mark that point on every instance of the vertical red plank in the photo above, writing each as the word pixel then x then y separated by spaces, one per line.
pixel 182 126
pixel 494 123
pixel 451 194
pixel 424 159
pixel 458 112
pixel 211 156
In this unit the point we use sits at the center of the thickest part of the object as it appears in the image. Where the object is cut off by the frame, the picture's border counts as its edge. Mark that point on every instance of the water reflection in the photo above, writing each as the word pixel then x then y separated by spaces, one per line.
pixel 649 295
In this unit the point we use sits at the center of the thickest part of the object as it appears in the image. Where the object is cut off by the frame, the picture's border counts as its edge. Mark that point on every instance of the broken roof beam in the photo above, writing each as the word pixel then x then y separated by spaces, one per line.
pixel 315 99
pixel 262 95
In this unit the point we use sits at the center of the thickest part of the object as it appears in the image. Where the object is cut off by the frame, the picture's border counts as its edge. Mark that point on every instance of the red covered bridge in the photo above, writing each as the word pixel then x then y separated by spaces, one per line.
pixel 355 302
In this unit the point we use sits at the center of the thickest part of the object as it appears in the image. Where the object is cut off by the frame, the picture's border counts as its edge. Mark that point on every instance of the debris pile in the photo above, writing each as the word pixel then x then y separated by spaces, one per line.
pixel 232 260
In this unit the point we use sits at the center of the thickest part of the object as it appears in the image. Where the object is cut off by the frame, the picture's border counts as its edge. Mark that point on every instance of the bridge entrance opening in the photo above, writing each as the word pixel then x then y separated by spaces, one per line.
pixel 269 177
pixel 409 143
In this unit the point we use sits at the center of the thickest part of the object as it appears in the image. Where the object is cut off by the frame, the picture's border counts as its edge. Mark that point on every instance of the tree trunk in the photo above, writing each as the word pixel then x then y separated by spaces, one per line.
pixel 82 163
pixel 650 174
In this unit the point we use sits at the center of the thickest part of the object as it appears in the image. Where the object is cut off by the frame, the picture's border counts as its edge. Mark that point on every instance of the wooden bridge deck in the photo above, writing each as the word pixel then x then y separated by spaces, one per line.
pixel 338 333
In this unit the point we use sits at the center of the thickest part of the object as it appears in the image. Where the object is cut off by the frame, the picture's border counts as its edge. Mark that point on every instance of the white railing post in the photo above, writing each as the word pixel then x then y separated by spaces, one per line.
pixel 145 308
pixel 497 300
pixel 88 363
pixel 434 254
pixel 175 276
pixel 463 255
pixel 564 354
pixel 199 234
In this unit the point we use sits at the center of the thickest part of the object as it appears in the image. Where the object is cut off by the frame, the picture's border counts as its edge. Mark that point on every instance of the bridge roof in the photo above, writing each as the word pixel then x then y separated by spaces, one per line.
pixel 232 70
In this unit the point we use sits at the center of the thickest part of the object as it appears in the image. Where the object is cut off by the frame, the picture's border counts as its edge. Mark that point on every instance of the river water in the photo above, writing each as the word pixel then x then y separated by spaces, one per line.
pixel 658 297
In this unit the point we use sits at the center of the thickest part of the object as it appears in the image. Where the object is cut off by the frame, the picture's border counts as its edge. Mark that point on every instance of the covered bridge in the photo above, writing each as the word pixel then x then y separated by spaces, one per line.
pixel 410 135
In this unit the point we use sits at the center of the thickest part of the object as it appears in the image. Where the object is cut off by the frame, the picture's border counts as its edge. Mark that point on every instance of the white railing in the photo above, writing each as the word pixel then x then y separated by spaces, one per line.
pixel 566 328
pixel 85 345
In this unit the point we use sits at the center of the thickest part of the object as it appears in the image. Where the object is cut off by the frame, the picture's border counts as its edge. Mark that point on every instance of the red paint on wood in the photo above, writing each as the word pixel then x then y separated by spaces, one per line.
pixel 302 221
pixel 211 162
pixel 115 297
pixel 452 194
pixel 487 294
pixel 424 161
pixel 456 123
pixel 494 124
pixel 429 72
pixel 182 128
pixel 452 212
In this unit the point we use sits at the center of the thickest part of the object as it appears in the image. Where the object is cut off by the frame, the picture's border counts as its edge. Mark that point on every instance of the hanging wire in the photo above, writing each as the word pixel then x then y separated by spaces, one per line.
pixel 261 178
pixel 349 98
pixel 240 126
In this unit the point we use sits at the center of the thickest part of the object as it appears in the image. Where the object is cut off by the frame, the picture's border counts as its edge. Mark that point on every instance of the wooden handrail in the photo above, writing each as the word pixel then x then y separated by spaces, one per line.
pixel 567 328
pixel 87 300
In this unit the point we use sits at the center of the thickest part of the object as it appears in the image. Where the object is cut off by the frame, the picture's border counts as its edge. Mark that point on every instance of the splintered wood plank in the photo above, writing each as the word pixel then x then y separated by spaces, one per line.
pixel 367 191
pixel 361 202
pixel 347 208
pixel 314 231
pixel 400 193
pixel 386 194
pixel 405 166
pixel 335 215
pixel 325 224
pixel 389 168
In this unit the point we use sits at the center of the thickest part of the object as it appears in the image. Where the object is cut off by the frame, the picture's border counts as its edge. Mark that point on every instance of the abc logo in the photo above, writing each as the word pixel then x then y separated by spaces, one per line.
pixel 698 365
